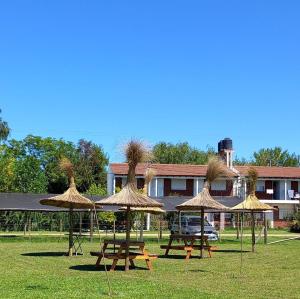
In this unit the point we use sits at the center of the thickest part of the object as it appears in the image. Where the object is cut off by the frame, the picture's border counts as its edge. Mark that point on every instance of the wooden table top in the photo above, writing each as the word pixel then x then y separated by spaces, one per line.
pixel 123 242
pixel 187 237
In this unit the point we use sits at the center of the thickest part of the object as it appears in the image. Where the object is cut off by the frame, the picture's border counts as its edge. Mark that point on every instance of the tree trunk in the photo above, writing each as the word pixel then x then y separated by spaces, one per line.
pixel 202 232
pixel 127 238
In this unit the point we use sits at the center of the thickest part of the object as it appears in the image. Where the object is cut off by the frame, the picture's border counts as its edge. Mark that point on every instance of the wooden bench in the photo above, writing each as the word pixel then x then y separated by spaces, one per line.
pixel 120 254
pixel 188 246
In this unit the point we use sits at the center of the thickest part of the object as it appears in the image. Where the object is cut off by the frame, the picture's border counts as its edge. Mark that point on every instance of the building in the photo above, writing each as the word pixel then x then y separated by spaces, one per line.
pixel 277 186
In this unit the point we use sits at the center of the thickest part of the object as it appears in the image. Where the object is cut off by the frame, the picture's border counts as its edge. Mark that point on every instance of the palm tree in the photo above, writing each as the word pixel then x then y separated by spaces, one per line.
pixel 4 129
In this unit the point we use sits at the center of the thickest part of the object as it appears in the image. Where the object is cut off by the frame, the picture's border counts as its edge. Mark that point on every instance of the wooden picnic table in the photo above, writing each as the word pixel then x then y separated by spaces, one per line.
pixel 139 253
pixel 188 244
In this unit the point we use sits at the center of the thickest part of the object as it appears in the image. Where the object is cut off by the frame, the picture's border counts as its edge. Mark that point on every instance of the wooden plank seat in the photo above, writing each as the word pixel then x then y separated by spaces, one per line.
pixel 177 247
pixel 132 255
pixel 139 253
pixel 188 244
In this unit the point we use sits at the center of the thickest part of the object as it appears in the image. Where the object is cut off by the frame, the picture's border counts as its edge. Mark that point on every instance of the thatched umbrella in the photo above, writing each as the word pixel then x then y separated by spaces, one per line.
pixel 71 199
pixel 152 210
pixel 203 200
pixel 130 196
pixel 251 203
pixel 149 174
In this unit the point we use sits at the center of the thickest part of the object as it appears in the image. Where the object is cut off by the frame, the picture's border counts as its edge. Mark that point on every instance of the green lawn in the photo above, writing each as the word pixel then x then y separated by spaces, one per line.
pixel 35 269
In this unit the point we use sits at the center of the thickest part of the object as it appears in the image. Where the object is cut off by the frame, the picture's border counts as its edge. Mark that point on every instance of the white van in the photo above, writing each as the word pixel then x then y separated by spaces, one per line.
pixel 191 225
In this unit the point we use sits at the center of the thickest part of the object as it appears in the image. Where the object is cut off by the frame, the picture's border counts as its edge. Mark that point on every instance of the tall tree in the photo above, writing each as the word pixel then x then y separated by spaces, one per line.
pixel 32 165
pixel 180 153
pixel 4 129
pixel 91 165
pixel 274 157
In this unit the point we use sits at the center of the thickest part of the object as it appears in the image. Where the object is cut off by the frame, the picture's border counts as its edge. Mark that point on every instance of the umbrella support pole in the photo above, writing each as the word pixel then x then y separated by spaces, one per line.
pixel 237 218
pixel 202 232
pixel 142 227
pixel 253 230
pixel 242 219
pixel 265 229
pixel 70 252
pixel 127 239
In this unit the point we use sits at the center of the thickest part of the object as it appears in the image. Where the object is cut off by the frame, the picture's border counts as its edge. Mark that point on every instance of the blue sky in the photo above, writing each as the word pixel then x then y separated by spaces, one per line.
pixel 195 71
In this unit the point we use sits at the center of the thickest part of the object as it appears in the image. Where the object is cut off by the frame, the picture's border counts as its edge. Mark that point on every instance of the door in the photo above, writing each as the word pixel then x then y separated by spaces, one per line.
pixel 276 213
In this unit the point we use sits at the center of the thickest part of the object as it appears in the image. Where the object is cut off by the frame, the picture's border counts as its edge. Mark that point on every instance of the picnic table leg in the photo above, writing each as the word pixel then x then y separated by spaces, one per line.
pixel 191 244
pixel 169 244
pixel 112 268
pixel 132 263
pixel 102 250
pixel 149 264
pixel 208 247
pixel 188 254
pixel 99 260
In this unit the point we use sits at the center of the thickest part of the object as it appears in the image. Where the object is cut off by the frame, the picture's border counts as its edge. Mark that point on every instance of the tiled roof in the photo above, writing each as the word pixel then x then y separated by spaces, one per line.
pixel 200 170
pixel 162 169
pixel 272 172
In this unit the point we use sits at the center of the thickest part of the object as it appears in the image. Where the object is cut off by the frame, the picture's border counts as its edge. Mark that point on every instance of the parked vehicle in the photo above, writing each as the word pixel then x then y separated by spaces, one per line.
pixel 191 225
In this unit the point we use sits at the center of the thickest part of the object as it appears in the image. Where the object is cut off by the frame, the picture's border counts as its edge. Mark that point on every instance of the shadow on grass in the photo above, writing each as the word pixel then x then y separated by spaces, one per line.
pixel 35 287
pixel 45 254
pixel 230 250
pixel 177 257
pixel 226 241
pixel 9 236
pixel 93 268
pixel 199 270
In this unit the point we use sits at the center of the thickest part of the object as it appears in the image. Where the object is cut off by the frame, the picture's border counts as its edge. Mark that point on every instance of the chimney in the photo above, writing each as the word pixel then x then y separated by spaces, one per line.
pixel 225 151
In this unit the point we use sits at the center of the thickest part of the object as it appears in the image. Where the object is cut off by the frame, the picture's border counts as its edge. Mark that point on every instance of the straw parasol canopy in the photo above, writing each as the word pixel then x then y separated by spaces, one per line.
pixel 152 210
pixel 71 199
pixel 215 169
pixel 202 200
pixel 251 203
pixel 130 196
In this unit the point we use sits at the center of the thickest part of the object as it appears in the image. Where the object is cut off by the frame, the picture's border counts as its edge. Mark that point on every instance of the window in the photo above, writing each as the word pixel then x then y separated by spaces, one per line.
pixel 260 186
pixel 218 186
pixel 178 184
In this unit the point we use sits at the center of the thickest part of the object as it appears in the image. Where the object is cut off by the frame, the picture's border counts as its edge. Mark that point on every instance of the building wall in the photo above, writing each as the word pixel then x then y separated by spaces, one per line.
pixel 188 191
pixel 226 192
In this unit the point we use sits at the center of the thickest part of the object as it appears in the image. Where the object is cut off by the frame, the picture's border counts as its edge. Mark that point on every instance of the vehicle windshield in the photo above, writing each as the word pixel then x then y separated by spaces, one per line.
pixel 196 222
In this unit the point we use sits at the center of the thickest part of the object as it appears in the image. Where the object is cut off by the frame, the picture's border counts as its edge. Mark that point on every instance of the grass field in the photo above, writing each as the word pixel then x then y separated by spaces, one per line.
pixel 36 268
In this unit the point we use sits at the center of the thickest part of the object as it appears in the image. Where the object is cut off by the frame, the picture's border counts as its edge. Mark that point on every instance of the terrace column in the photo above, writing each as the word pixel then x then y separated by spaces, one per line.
pixel 245 188
pixel 196 186
pixel 285 189
pixel 149 188
pixel 222 221
pixel 148 222
pixel 114 186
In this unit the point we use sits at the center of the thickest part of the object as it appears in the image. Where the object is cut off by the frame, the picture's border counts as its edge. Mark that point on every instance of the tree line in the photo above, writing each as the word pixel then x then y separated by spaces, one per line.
pixel 32 164
pixel 183 153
